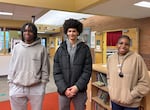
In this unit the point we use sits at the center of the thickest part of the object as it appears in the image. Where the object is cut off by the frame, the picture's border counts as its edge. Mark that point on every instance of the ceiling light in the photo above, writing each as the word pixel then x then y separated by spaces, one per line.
pixel 143 4
pixel 5 13
pixel 57 18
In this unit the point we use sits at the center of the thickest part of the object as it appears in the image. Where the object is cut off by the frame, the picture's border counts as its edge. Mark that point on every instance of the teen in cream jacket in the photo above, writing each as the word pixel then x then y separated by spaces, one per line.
pixel 128 78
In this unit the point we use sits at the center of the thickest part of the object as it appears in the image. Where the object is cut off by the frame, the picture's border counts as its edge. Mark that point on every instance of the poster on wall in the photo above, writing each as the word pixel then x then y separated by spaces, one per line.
pixel 93 39
pixel 98 47
pixel 52 44
pixel 86 36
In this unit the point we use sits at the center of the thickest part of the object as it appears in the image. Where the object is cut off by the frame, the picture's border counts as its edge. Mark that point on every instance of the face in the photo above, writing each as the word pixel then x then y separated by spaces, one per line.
pixel 123 46
pixel 28 35
pixel 72 34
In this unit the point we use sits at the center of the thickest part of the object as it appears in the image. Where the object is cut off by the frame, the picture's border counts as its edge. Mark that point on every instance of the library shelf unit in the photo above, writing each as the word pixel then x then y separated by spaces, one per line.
pixel 99 92
pixel 97 103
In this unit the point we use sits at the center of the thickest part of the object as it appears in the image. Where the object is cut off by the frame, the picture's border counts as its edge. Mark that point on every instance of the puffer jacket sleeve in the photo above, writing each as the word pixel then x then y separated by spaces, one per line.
pixel 87 70
pixel 58 76
pixel 143 84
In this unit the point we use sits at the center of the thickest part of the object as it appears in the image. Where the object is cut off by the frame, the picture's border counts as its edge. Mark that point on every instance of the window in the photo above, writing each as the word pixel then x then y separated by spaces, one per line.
pixel 1 41
pixel 4 41
pixel 43 41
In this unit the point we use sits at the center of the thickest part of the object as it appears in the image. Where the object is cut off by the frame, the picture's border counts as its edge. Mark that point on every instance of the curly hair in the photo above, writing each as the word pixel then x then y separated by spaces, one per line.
pixel 32 27
pixel 72 23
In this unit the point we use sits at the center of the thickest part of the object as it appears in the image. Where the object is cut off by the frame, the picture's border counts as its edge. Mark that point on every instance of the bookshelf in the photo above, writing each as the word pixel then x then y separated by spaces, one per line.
pixel 97 103
pixel 99 91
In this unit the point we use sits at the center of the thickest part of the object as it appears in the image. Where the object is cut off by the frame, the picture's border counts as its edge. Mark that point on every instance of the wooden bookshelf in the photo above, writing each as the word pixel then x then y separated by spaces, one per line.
pixel 101 103
pixel 97 87
pixel 99 68
pixel 104 88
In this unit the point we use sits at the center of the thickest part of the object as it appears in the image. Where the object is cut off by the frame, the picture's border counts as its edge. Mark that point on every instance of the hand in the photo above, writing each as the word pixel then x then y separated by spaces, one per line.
pixel 74 89
pixel 68 93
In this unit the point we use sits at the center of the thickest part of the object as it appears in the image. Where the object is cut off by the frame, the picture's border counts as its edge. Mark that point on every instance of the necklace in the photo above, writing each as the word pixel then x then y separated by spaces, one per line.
pixel 120 65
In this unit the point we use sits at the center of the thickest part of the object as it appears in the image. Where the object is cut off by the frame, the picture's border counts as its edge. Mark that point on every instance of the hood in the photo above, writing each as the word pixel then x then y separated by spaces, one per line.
pixel 37 41
pixel 69 44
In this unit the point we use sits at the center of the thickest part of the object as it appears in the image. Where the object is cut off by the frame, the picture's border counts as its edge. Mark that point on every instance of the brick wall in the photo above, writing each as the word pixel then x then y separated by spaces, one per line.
pixel 104 23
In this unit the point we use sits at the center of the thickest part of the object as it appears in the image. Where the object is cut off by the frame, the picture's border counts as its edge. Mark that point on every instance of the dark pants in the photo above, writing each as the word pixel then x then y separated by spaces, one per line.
pixel 118 107
pixel 79 101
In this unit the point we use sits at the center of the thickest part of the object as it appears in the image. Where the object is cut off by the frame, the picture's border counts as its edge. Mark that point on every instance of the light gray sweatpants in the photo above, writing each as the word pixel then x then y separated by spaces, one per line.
pixel 79 101
pixel 20 96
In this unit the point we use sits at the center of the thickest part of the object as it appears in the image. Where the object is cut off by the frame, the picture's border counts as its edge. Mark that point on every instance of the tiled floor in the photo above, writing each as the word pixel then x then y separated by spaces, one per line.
pixel 51 87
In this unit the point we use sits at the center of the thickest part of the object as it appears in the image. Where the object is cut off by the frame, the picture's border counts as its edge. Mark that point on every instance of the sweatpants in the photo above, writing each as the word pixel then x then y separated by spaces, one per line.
pixel 78 101
pixel 20 96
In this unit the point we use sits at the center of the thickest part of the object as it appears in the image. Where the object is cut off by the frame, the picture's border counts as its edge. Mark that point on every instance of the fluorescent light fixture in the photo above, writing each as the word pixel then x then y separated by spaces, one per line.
pixel 6 13
pixel 57 18
pixel 143 4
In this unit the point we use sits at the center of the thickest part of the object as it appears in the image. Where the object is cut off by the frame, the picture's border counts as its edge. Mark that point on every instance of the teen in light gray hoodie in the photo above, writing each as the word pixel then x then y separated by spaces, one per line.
pixel 29 71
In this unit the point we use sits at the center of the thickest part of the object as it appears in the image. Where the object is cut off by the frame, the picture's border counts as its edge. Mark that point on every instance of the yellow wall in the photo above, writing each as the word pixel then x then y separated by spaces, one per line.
pixel 133 33
pixel 53 44
pixel 98 52
pixel 11 23
pixel 101 56
pixel 104 48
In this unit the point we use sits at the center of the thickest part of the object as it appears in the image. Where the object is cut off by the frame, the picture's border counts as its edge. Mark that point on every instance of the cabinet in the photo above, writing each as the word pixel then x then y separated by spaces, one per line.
pixel 99 91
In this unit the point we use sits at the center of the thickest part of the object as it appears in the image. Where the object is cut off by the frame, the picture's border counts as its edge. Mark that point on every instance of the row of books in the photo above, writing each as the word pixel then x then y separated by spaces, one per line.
pixel 98 107
pixel 101 79
pixel 104 96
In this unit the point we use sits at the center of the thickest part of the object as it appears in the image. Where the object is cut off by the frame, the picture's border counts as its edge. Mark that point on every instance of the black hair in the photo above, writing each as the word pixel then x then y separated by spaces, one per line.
pixel 32 27
pixel 125 37
pixel 73 23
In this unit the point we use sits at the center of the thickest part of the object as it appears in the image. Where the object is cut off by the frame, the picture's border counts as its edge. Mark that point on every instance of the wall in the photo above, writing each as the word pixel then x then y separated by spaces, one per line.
pixel 4 65
pixel 11 23
pixel 103 23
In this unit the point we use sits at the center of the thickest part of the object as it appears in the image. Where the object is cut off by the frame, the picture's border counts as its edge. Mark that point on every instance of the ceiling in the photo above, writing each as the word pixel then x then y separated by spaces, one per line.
pixel 119 8
pixel 21 12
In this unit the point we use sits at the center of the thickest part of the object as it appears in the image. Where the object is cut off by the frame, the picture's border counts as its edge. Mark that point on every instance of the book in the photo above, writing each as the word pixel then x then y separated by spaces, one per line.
pixel 105 97
pixel 99 93
pixel 99 83
pixel 99 78
pixel 104 78
pixel 98 107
